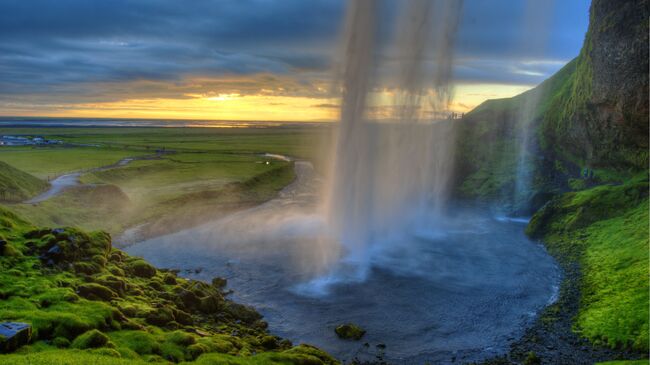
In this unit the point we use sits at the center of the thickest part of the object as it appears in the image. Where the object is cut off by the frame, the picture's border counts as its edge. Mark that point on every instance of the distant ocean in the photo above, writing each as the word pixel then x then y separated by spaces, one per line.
pixel 90 122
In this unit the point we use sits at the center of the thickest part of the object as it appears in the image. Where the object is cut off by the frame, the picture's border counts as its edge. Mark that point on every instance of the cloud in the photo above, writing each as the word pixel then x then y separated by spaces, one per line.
pixel 79 49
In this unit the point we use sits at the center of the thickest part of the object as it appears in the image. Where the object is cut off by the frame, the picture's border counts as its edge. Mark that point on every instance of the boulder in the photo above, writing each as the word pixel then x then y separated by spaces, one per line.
pixel 160 316
pixel 95 291
pixel 14 335
pixel 349 331
pixel 141 268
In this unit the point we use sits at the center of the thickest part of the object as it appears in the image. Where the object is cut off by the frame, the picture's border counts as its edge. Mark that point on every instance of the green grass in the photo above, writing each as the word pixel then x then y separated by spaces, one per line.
pixel 615 285
pixel 293 141
pixel 49 162
pixel 66 357
pixel 103 207
pixel 17 185
pixel 211 171
pixel 629 362
pixel 96 304
pixel 150 181
pixel 605 229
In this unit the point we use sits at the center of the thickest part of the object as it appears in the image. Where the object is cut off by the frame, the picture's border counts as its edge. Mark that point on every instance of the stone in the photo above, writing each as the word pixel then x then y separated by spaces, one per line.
pixel 349 331
pixel 94 291
pixel 14 335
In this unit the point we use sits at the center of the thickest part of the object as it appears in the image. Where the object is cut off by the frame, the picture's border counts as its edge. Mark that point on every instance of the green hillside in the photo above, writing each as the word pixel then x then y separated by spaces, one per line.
pixel 88 302
pixel 17 185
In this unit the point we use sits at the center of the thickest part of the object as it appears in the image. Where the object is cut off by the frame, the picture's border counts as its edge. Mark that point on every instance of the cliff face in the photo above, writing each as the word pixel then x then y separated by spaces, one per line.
pixel 600 118
pixel 589 124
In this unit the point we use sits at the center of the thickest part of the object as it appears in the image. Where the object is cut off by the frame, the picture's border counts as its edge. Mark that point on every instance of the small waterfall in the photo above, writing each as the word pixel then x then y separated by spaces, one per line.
pixel 389 175
pixel 536 22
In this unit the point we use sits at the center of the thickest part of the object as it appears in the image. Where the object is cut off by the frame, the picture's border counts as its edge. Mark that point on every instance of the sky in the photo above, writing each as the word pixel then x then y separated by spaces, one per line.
pixel 248 59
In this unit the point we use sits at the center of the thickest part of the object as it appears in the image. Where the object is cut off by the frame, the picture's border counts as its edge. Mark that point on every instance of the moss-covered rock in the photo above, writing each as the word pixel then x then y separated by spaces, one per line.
pixel 349 331
pixel 140 268
pixel 90 339
pixel 94 291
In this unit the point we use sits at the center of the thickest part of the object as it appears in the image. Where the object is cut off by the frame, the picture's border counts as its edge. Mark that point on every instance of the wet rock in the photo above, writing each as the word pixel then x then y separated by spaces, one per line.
pixel 350 331
pixel 219 283
pixel 14 335
pixel 247 314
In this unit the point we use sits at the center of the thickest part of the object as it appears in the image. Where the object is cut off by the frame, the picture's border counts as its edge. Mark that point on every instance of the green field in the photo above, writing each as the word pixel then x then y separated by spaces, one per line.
pixel 180 176
pixel 48 162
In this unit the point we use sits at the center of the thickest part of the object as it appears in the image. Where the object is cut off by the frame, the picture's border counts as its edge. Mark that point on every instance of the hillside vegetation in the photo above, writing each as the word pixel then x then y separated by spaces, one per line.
pixel 605 229
pixel 91 303
pixel 17 185
pixel 589 122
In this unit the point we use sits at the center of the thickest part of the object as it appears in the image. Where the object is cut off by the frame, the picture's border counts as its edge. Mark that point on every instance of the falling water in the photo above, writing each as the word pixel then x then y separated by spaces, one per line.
pixel 388 176
pixel 536 22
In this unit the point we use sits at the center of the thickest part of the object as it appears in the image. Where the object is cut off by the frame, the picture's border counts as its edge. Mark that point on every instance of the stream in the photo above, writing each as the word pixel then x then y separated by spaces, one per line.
pixel 459 291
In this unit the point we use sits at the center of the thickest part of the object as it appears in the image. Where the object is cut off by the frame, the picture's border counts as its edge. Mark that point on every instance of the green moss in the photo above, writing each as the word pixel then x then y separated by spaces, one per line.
pixel 140 342
pixel 532 359
pixel 90 339
pixel 605 229
pixel 300 355
pixel 140 268
pixel 66 357
pixel 123 309
pixel 615 285
pixel 349 331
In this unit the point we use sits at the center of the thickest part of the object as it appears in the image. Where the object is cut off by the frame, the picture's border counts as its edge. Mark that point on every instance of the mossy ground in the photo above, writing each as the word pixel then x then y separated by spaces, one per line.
pixel 91 303
pixel 605 230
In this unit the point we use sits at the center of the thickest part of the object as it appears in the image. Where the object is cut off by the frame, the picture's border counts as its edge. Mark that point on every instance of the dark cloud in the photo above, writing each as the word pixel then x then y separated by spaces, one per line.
pixel 72 46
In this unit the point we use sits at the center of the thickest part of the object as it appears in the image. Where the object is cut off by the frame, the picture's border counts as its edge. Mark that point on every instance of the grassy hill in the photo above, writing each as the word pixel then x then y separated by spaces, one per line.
pixel 17 185
pixel 589 121
pixel 88 302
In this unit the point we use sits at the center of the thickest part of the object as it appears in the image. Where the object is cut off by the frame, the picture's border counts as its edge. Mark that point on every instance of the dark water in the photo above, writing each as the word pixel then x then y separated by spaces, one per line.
pixel 462 290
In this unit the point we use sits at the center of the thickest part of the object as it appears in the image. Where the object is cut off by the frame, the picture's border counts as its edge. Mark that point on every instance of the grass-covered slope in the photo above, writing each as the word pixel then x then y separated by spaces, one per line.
pixel 605 230
pixel 589 121
pixel 91 303
pixel 488 146
pixel 17 185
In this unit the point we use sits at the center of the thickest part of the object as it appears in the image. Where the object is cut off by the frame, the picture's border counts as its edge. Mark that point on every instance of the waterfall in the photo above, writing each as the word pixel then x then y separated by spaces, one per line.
pixel 389 175
pixel 536 22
